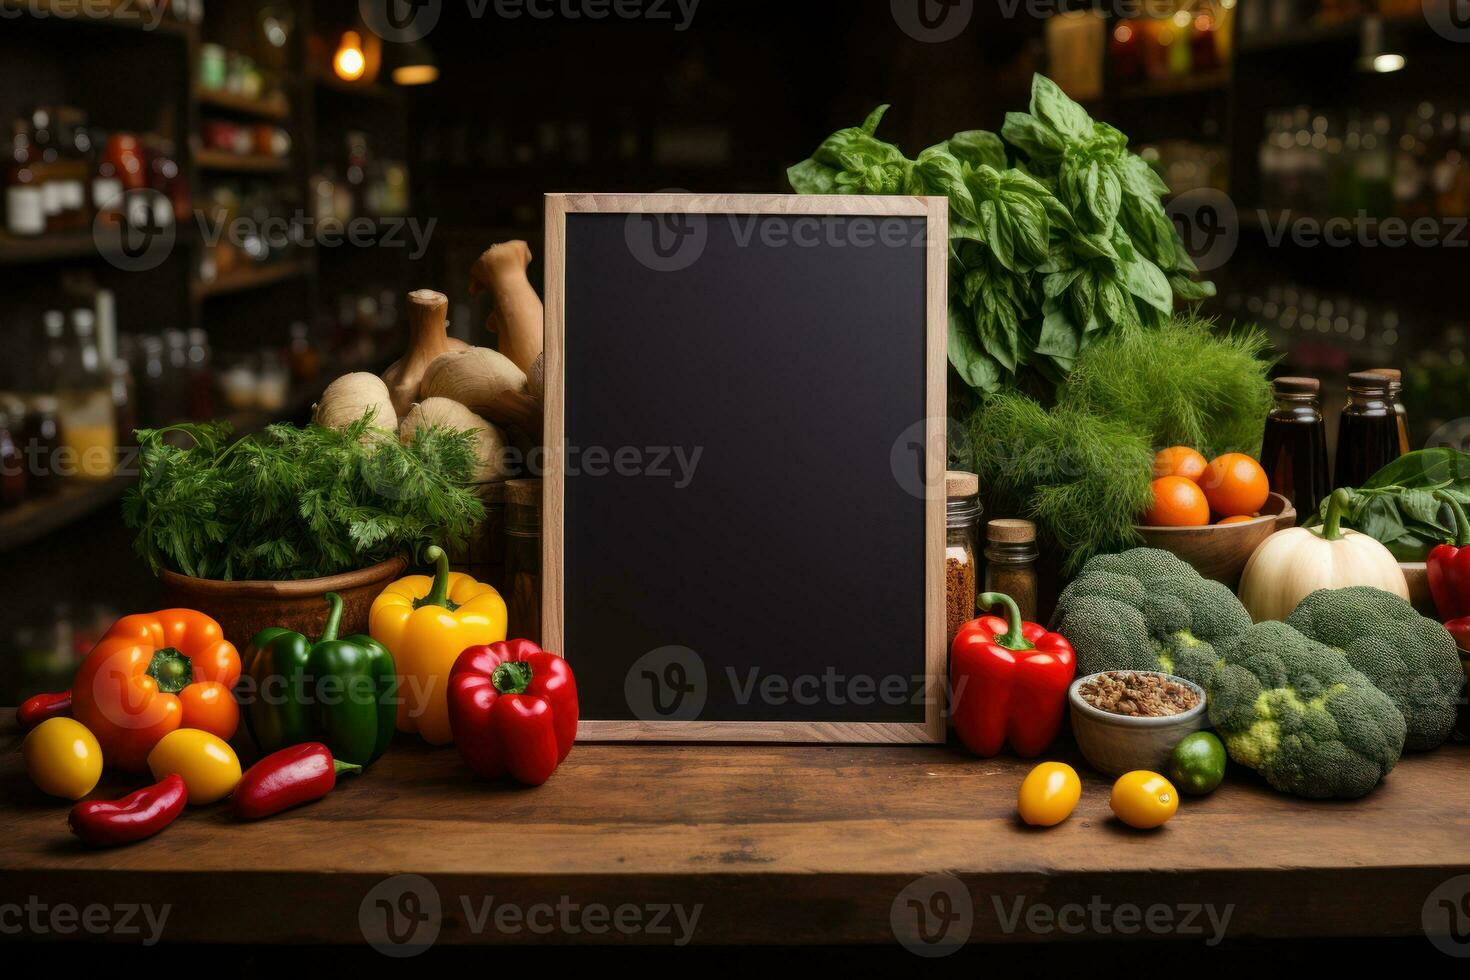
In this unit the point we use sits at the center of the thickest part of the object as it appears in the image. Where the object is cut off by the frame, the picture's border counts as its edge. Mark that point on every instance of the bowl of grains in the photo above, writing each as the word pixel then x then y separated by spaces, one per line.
pixel 1132 719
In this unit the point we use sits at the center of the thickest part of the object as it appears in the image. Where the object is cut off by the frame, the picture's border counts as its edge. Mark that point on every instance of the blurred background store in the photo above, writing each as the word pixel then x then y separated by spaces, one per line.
pixel 212 208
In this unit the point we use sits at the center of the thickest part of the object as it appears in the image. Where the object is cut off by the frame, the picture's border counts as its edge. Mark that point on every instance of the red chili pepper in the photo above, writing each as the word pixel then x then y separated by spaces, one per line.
pixel 42 707
pixel 1008 680
pixel 108 823
pixel 1449 567
pixel 513 708
pixel 295 775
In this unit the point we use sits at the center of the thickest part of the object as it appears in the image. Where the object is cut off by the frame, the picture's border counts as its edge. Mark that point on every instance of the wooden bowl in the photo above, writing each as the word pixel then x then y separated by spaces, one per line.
pixel 245 608
pixel 1221 551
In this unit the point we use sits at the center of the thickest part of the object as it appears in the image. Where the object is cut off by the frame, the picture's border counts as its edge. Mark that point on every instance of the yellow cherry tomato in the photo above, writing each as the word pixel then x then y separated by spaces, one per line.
pixel 63 758
pixel 1144 799
pixel 1049 794
pixel 209 766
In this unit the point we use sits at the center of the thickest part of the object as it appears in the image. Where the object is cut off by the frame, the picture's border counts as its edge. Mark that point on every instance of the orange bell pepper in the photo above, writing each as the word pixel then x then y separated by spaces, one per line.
pixel 152 673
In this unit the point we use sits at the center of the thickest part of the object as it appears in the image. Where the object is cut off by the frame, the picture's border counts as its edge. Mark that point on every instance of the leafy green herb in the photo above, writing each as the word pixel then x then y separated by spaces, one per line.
pixel 1047 254
pixel 1083 478
pixel 295 503
pixel 1184 384
pixel 1405 505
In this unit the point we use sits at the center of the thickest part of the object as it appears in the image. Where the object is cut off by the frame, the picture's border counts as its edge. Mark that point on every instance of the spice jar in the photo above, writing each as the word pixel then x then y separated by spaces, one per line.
pixel 961 520
pixel 523 558
pixel 1011 555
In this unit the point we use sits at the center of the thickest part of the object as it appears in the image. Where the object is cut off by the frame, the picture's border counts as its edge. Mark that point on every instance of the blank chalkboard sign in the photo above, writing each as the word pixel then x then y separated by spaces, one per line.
pixel 744 514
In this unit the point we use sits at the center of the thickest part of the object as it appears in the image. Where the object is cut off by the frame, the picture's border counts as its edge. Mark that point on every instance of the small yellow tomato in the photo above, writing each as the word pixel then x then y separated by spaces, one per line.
pixel 1144 799
pixel 1049 794
pixel 209 766
pixel 63 758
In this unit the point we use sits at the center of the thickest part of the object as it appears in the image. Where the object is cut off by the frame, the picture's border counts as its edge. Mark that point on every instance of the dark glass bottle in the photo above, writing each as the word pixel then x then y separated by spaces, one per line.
pixel 1368 435
pixel 1396 399
pixel 1294 450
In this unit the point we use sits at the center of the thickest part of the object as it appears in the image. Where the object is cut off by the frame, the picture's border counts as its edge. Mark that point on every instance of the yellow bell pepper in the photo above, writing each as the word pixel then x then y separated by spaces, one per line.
pixel 426 623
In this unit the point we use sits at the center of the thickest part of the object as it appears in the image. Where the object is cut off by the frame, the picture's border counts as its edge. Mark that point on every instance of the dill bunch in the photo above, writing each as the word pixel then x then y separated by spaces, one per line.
pixel 1184 384
pixel 296 503
pixel 1082 478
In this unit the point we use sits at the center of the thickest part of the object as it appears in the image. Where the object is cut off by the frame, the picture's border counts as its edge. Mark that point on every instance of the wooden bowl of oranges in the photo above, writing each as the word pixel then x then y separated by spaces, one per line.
pixel 1213 514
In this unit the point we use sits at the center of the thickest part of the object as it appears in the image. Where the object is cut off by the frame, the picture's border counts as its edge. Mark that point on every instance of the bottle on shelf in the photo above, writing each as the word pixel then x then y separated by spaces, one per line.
pixel 1294 449
pixel 42 441
pixel 88 427
pixel 25 205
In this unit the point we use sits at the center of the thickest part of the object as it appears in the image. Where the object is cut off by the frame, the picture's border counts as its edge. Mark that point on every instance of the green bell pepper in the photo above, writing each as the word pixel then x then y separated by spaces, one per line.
pixel 338 691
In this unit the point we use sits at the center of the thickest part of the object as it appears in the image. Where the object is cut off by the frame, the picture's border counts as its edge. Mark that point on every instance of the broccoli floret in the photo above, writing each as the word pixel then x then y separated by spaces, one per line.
pixel 1147 610
pixel 1296 711
pixel 1411 659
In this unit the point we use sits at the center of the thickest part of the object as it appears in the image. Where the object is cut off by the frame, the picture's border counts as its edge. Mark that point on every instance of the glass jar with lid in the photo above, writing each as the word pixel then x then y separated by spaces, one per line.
pixel 961 522
pixel 1011 555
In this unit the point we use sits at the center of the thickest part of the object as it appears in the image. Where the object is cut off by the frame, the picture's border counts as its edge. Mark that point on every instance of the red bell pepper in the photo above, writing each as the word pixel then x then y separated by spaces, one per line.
pixel 1460 630
pixel 1449 568
pixel 295 775
pixel 108 823
pixel 512 708
pixel 1008 682
pixel 42 707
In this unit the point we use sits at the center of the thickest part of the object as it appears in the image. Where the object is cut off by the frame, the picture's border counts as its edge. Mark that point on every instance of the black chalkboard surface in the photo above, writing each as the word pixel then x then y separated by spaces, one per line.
pixel 744 430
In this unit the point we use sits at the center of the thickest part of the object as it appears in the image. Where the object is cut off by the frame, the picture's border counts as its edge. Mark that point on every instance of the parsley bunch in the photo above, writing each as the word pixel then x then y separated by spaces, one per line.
pixel 297 503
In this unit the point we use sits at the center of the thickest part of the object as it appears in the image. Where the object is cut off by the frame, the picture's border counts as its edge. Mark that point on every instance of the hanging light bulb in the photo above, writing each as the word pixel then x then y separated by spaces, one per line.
pixel 349 62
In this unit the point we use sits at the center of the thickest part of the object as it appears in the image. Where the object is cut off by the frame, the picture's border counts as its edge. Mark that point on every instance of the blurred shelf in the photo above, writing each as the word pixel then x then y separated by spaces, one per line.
pixel 74 500
pixel 250 278
pixel 1167 88
pixel 219 160
pixel 46 248
pixel 277 109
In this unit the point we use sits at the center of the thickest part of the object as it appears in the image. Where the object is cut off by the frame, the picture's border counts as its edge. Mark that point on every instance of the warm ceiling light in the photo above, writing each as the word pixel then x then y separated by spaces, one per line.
pixel 1385 63
pixel 415 75
pixel 414 64
pixel 349 63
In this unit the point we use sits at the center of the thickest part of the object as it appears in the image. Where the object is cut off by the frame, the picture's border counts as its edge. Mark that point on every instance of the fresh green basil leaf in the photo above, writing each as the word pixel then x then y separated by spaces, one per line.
pixel 811 177
pixel 979 148
pixel 1190 291
pixel 977 368
pixel 1034 138
pixel 1145 281
pixel 1051 104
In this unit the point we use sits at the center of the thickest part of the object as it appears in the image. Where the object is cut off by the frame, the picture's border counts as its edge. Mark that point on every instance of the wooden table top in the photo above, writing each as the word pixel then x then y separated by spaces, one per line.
pixel 769 843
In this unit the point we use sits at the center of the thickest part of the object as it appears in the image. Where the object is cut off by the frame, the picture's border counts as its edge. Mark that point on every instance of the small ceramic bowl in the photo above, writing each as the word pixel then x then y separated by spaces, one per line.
pixel 1115 744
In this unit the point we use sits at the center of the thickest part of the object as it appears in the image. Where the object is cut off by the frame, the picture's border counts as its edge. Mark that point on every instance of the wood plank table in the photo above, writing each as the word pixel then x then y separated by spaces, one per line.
pixel 752 844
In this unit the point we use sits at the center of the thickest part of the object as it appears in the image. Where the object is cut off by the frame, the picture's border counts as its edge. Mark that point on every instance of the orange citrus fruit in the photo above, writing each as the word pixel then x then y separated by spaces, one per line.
pixel 1235 485
pixel 1179 461
pixel 1177 503
pixel 1237 519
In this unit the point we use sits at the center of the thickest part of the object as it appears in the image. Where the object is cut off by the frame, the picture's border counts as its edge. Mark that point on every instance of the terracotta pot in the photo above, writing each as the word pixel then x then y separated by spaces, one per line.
pixel 245 608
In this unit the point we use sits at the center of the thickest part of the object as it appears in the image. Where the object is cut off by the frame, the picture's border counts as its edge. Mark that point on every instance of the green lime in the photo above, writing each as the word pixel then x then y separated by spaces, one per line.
pixel 1197 764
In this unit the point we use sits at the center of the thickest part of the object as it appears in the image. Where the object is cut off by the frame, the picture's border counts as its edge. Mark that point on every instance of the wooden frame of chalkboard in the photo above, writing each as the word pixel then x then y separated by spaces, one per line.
pixel 925 659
